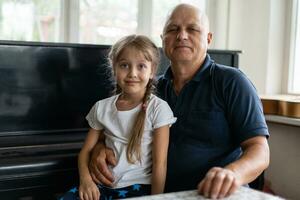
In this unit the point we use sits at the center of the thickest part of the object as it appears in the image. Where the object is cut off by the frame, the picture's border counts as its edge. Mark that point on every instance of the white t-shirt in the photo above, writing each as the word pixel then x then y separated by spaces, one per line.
pixel 117 126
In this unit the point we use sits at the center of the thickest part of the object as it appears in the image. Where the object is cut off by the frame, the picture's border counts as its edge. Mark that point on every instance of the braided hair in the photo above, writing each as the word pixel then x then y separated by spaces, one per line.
pixel 151 53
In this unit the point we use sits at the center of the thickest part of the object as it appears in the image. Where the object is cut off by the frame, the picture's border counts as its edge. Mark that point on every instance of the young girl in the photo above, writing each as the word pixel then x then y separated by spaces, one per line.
pixel 134 123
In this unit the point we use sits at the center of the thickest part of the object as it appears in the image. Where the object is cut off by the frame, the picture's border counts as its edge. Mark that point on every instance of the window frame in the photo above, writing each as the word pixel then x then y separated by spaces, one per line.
pixel 70 11
pixel 69 26
pixel 69 20
pixel 295 16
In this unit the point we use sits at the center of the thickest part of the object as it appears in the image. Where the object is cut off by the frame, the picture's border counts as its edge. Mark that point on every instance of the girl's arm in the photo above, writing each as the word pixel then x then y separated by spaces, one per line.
pixel 159 159
pixel 87 186
pixel 91 140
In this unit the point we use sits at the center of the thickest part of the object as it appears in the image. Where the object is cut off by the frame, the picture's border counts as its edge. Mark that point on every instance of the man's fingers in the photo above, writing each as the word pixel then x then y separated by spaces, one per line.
pixel 104 172
pixel 207 182
pixel 200 187
pixel 105 181
pixel 100 158
pixel 228 181
pixel 95 173
pixel 217 184
pixel 233 188
pixel 110 157
pixel 95 179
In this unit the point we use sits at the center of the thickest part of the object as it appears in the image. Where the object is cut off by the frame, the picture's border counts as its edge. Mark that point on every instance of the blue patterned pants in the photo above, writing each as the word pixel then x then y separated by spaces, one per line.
pixel 107 193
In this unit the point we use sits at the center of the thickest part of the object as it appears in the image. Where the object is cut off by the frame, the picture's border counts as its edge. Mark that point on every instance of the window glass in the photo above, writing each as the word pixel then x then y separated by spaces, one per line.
pixel 161 9
pixel 29 20
pixel 105 21
pixel 100 21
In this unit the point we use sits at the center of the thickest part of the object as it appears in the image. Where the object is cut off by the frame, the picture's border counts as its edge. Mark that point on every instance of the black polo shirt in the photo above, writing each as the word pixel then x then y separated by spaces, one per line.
pixel 216 111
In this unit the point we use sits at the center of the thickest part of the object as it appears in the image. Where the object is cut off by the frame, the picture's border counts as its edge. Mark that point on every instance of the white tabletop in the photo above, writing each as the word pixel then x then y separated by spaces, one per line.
pixel 242 193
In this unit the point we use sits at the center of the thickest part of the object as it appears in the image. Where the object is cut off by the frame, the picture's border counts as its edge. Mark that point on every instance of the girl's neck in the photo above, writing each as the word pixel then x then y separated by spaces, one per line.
pixel 128 101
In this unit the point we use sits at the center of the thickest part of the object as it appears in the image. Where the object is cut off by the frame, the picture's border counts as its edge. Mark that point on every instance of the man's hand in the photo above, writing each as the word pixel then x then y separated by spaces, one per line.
pixel 101 157
pixel 219 183
pixel 222 182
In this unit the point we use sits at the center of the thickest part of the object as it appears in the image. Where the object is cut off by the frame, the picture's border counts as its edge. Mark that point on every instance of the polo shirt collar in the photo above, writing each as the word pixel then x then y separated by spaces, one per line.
pixel 207 62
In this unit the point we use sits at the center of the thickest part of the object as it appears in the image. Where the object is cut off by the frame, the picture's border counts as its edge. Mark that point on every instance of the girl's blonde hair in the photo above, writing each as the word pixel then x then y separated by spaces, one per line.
pixel 151 53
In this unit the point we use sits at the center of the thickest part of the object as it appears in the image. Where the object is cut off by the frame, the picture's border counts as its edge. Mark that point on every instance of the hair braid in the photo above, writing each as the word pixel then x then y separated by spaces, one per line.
pixel 135 142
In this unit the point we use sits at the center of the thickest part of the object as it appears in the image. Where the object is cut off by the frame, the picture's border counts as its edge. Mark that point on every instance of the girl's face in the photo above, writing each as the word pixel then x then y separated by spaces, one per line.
pixel 133 71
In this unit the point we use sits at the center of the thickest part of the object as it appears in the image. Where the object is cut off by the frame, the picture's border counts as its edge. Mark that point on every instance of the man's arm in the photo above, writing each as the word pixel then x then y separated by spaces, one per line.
pixel 101 156
pixel 222 182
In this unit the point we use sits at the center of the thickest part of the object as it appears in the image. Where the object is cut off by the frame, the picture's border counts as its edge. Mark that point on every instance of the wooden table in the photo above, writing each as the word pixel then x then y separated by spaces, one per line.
pixel 243 193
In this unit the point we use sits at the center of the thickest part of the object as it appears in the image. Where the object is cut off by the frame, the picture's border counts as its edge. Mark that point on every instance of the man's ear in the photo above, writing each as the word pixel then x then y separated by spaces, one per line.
pixel 209 37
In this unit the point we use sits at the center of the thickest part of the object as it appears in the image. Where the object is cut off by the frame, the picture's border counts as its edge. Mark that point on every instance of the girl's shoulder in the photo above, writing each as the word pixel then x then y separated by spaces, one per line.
pixel 102 103
pixel 156 102
pixel 156 99
pixel 159 112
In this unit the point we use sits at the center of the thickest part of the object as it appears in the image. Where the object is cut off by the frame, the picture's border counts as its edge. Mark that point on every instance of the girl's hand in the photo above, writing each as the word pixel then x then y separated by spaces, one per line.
pixel 88 190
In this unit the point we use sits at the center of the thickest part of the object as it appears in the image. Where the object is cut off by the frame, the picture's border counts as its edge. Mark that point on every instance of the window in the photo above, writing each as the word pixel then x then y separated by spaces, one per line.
pixel 29 20
pixel 294 75
pixel 84 21
pixel 104 21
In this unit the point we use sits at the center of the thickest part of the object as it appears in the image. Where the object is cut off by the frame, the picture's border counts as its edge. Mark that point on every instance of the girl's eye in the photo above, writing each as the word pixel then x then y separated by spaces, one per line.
pixel 124 65
pixel 142 66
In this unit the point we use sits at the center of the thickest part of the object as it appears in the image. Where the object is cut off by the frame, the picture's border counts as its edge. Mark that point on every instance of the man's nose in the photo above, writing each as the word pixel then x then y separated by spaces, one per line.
pixel 182 35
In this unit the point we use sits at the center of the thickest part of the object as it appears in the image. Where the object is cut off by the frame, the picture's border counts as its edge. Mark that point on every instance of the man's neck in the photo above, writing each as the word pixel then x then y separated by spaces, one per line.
pixel 183 73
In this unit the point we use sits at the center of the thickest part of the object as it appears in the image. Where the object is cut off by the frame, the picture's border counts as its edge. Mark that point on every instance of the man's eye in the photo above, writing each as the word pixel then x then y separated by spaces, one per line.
pixel 173 29
pixel 194 29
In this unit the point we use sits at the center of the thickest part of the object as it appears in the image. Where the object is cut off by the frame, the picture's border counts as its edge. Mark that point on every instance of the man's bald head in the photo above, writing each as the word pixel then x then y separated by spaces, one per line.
pixel 186 36
pixel 180 9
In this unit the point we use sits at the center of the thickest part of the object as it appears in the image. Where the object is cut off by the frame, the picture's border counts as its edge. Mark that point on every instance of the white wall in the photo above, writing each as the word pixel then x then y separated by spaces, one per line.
pixel 284 169
pixel 258 28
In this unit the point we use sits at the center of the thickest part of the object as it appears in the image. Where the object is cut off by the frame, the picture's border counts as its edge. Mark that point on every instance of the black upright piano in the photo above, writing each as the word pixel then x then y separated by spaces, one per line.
pixel 46 90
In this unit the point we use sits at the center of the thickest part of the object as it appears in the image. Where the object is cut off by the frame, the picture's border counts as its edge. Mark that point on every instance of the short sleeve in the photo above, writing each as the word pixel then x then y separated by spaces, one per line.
pixel 162 115
pixel 244 109
pixel 92 118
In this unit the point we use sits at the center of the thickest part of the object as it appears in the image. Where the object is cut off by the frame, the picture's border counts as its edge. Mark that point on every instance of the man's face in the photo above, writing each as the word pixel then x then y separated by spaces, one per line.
pixel 185 37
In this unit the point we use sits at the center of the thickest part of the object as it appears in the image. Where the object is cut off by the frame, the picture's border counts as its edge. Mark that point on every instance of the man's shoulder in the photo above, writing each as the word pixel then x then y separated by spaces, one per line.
pixel 226 73
pixel 226 70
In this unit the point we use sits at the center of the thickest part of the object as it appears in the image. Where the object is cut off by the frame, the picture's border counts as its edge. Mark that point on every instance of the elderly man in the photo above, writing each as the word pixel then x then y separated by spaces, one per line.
pixel 219 141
